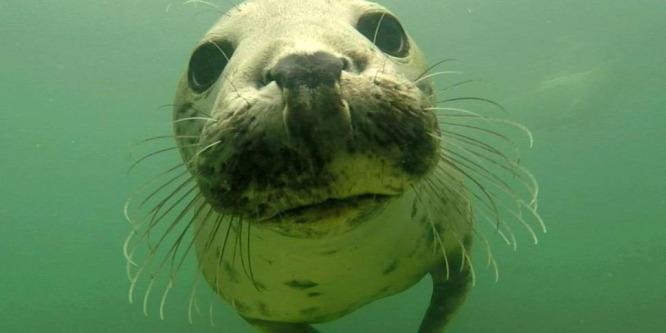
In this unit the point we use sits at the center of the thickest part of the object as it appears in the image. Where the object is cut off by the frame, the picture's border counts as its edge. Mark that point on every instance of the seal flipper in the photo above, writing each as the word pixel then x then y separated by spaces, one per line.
pixel 277 327
pixel 447 296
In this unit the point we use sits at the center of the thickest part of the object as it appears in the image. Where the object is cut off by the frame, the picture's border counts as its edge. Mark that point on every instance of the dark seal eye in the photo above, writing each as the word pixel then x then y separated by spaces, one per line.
pixel 207 63
pixel 386 32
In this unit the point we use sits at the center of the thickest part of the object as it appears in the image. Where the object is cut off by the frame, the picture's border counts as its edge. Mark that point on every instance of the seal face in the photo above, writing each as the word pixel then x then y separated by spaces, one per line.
pixel 299 117
pixel 310 134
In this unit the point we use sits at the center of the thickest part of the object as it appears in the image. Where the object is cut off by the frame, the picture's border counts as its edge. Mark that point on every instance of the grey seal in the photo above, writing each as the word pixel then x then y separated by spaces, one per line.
pixel 320 172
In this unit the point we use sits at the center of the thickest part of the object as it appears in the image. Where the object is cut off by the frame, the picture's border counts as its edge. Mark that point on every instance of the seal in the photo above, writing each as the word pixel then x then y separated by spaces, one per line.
pixel 321 174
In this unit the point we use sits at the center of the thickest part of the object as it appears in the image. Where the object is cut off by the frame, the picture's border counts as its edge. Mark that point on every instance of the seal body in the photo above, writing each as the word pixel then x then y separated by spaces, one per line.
pixel 321 179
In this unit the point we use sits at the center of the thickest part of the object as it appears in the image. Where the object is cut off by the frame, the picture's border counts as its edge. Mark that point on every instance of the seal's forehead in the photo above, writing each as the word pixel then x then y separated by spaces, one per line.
pixel 251 16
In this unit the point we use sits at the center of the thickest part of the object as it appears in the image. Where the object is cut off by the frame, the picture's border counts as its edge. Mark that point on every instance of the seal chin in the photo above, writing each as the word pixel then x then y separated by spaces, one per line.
pixel 326 217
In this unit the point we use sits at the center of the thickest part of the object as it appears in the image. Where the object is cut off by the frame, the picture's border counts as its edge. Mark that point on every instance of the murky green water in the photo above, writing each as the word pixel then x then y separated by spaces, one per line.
pixel 82 81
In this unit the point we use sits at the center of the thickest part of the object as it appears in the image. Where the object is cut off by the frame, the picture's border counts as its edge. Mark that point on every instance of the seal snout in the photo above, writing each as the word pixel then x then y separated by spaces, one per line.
pixel 315 113
pixel 308 70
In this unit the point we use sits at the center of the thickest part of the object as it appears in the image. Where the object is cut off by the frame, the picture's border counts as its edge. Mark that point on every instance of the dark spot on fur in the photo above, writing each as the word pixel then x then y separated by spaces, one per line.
pixel 301 284
pixel 240 306
pixel 260 286
pixel 310 310
pixel 229 270
pixel 320 319
pixel 382 293
pixel 366 215
pixel 414 209
pixel 263 309
pixel 467 241
pixel 391 268
pixel 429 236
pixel 183 108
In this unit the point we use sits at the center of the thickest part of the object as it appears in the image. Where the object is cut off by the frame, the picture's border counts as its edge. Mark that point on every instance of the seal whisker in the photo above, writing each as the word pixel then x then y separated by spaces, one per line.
pixel 433 66
pixel 196 235
pixel 149 156
pixel 513 169
pixel 145 238
pixel 231 82
pixel 484 130
pixel 453 194
pixel 458 140
pixel 161 188
pixel 486 193
pixel 460 208
pixel 379 24
pixel 206 148
pixel 495 210
pixel 435 233
pixel 380 70
pixel 210 312
pixel 480 99
pixel 224 247
pixel 197 2
pixel 460 144
pixel 240 247
pixel 154 213
pixel 483 172
pixel 489 177
pixel 439 91
pixel 249 256
pixel 457 193
pixel 146 295
pixel 496 221
pixel 173 251
pixel 129 253
pixel 489 254
pixel 131 198
pixel 472 115
pixel 238 228
pixel 193 300
pixel 164 297
pixel 374 42
pixel 161 137
pixel 431 75
pixel 191 119
pixel 471 266
pixel 153 249
pixel 186 106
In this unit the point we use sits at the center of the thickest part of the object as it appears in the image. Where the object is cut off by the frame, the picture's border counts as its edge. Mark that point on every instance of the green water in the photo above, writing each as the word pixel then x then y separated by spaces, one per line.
pixel 82 81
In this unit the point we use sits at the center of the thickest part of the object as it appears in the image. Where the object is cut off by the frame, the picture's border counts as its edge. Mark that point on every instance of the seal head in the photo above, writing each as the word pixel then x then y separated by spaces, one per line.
pixel 305 111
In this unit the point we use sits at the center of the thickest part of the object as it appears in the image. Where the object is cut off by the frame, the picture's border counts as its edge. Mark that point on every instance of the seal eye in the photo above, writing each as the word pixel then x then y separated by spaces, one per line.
pixel 386 32
pixel 207 63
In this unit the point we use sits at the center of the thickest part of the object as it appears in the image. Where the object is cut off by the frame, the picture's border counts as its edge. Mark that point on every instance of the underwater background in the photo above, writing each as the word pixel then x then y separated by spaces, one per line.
pixel 82 82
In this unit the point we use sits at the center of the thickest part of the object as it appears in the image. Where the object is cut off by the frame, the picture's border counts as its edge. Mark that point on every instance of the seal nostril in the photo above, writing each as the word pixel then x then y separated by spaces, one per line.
pixel 308 70
pixel 268 78
pixel 346 64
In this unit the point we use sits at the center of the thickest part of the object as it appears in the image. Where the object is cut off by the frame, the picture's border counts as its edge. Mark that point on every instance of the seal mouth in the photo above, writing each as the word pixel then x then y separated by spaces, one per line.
pixel 351 209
